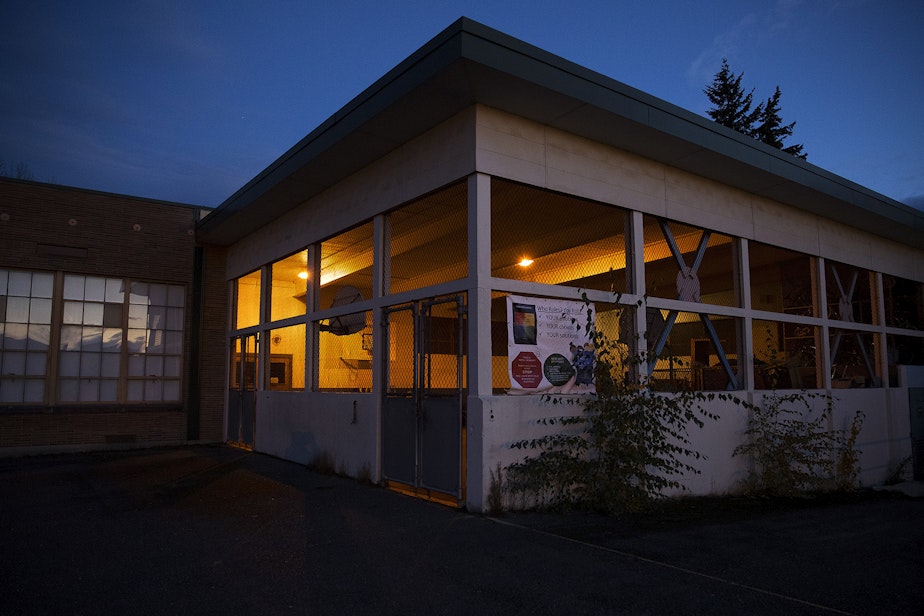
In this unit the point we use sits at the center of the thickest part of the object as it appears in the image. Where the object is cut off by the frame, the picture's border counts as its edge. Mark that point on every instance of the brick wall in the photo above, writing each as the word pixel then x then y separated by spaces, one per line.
pixel 213 358
pixel 92 427
pixel 56 228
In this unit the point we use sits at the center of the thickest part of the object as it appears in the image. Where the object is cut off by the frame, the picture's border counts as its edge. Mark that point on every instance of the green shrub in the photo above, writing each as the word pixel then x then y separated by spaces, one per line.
pixel 791 454
pixel 627 448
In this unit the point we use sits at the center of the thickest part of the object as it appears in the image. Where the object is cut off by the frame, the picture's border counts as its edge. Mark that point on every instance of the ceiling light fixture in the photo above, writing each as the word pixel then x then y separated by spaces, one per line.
pixel 525 262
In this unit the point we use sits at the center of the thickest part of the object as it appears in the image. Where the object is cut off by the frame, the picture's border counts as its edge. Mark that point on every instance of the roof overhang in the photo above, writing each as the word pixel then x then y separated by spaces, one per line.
pixel 469 63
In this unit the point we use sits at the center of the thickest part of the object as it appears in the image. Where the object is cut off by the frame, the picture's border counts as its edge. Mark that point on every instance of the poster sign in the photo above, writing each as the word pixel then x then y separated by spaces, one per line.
pixel 548 347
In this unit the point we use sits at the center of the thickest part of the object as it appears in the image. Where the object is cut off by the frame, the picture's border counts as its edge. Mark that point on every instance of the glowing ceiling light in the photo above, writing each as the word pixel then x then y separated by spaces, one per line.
pixel 525 262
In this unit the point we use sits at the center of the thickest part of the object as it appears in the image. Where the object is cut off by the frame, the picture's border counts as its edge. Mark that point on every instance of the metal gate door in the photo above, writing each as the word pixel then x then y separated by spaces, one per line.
pixel 423 412
pixel 242 394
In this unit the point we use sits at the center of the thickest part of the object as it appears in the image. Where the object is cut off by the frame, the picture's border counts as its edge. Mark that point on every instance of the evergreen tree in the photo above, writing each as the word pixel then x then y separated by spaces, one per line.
pixel 771 130
pixel 731 107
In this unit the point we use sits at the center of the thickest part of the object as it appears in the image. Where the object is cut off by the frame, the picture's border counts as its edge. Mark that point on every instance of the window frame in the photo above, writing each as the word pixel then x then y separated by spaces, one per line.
pixel 113 321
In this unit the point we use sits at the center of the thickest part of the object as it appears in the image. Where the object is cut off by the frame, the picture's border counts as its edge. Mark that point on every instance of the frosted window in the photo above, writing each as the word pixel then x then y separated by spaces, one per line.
pixel 15 337
pixel 67 390
pixel 17 310
pixel 33 391
pixel 135 391
pixel 108 391
pixel 106 330
pixel 40 311
pixel 73 287
pixel 12 391
pixel 20 284
pixel 114 291
pixel 73 312
pixel 43 285
pixel 14 364
pixel 35 364
pixel 39 336
pixel 136 365
pixel 90 364
pixel 110 365
pixel 154 366
pixel 25 323
pixel 93 314
pixel 172 367
pixel 69 364
pixel 95 289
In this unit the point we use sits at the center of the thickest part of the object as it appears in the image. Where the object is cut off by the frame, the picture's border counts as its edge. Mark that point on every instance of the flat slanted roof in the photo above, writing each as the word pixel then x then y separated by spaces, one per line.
pixel 470 63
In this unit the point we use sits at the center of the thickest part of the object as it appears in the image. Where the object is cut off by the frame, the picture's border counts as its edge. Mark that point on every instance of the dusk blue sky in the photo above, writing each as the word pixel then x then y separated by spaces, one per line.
pixel 187 101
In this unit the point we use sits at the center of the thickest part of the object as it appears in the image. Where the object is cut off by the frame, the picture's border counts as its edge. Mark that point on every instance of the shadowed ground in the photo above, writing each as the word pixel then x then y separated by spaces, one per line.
pixel 208 530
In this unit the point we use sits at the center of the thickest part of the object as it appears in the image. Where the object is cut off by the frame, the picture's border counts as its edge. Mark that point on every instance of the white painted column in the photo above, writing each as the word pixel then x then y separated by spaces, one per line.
pixel 743 289
pixel 881 361
pixel 381 278
pixel 636 252
pixel 820 290
pixel 479 289
pixel 311 303
pixel 479 337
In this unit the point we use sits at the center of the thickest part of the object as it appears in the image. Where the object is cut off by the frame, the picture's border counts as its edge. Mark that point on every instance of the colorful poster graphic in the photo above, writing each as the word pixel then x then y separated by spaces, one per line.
pixel 549 349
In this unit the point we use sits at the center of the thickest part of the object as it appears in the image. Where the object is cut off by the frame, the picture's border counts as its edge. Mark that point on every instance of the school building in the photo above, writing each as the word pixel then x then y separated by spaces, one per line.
pixel 397 293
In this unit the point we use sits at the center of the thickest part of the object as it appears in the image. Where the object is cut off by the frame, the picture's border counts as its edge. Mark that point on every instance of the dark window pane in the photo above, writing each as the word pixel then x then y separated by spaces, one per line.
pixel 112 315
pixel 848 293
pixel 853 358
pixel 904 302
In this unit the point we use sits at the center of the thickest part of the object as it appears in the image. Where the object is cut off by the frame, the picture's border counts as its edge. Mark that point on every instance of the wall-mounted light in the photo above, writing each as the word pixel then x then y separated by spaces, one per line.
pixel 525 262
pixel 303 275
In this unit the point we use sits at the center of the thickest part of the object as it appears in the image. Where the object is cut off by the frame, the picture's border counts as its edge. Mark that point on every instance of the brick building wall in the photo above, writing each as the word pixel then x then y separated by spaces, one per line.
pixel 213 354
pixel 59 228
pixel 62 230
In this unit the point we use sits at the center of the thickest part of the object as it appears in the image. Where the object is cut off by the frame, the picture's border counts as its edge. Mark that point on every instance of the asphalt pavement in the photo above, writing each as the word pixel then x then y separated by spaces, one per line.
pixel 216 530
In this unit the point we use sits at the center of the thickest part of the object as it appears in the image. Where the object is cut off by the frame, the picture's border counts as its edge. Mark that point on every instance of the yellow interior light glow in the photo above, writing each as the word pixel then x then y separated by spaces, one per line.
pixel 525 262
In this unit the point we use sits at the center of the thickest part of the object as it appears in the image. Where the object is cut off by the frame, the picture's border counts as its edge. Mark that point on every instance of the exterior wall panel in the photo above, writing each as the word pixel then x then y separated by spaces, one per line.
pixel 842 243
pixel 303 426
pixel 897 259
pixel 708 204
pixel 785 227
pixel 432 160
pixel 594 171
